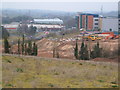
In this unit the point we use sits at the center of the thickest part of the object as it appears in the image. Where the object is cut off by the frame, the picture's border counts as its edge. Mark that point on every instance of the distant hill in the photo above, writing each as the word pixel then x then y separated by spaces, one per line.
pixel 112 13
pixel 35 13
pixel 47 13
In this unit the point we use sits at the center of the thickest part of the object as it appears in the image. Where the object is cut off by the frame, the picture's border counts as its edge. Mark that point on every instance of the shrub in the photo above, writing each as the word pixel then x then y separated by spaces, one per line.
pixel 19 70
pixel 93 65
pixel 22 59
pixel 73 63
pixel 101 80
pixel 56 73
pixel 114 86
pixel 10 85
pixel 8 61
pixel 51 85
pixel 80 64
pixel 113 82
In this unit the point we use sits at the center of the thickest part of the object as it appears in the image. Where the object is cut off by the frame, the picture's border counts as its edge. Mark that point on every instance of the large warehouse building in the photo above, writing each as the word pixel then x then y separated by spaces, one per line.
pixel 43 27
pixel 109 23
pixel 48 21
pixel 41 24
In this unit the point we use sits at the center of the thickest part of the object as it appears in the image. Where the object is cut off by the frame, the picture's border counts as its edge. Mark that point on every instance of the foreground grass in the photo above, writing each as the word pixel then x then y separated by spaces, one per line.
pixel 29 72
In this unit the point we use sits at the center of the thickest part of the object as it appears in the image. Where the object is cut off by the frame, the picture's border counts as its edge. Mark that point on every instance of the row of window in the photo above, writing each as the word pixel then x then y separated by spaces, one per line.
pixel 96 23
pixel 96 27
pixel 96 19
pixel 119 16
pixel 119 21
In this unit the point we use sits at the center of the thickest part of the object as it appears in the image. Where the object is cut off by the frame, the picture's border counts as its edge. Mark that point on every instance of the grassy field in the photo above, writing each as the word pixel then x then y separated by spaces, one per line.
pixel 35 72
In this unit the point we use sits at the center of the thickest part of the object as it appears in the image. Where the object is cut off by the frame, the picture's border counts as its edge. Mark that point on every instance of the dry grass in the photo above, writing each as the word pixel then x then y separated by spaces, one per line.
pixel 29 72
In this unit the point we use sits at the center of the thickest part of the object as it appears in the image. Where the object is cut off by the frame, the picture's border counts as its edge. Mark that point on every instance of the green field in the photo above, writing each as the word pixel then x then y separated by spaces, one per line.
pixel 35 72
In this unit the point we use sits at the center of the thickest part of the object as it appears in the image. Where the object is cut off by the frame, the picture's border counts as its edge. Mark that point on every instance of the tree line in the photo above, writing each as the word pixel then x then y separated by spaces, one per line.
pixel 85 54
pixel 23 29
pixel 4 33
pixel 23 48
pixel 8 20
pixel 29 48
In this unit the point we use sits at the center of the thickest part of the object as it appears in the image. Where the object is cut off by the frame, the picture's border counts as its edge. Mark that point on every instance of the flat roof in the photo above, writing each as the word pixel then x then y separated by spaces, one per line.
pixel 55 20
pixel 95 15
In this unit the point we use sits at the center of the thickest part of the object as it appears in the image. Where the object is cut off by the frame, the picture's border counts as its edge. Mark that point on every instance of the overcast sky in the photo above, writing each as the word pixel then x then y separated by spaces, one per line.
pixel 60 0
pixel 62 5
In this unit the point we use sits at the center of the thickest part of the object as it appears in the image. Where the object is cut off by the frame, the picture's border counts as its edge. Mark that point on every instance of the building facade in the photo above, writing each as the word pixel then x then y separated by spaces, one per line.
pixel 119 16
pixel 96 23
pixel 109 24
pixel 87 21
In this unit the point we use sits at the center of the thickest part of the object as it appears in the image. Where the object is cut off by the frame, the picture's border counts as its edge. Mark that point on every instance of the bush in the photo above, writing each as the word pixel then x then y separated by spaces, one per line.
pixel 101 80
pixel 80 64
pixel 9 61
pixel 51 85
pixel 19 70
pixel 56 73
pixel 10 85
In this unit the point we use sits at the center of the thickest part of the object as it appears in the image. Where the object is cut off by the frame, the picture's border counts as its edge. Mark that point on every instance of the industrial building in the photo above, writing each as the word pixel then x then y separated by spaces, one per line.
pixel 55 24
pixel 43 27
pixel 48 21
pixel 109 23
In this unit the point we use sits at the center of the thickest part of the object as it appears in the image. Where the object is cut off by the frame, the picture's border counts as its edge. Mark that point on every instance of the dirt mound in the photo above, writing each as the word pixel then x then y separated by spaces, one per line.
pixel 65 49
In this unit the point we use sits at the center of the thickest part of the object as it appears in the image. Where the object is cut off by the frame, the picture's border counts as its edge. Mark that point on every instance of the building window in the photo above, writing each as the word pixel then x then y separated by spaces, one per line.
pixel 96 27
pixel 96 23
pixel 96 19
pixel 119 16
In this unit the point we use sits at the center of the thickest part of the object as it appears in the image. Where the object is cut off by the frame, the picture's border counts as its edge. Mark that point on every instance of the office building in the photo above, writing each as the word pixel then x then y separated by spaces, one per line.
pixel 87 21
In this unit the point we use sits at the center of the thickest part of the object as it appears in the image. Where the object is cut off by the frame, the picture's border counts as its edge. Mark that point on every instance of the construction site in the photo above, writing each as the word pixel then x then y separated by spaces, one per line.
pixel 64 46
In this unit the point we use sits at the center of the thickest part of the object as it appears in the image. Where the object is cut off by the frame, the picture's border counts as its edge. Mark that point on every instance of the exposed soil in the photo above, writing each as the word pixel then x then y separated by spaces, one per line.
pixel 65 49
